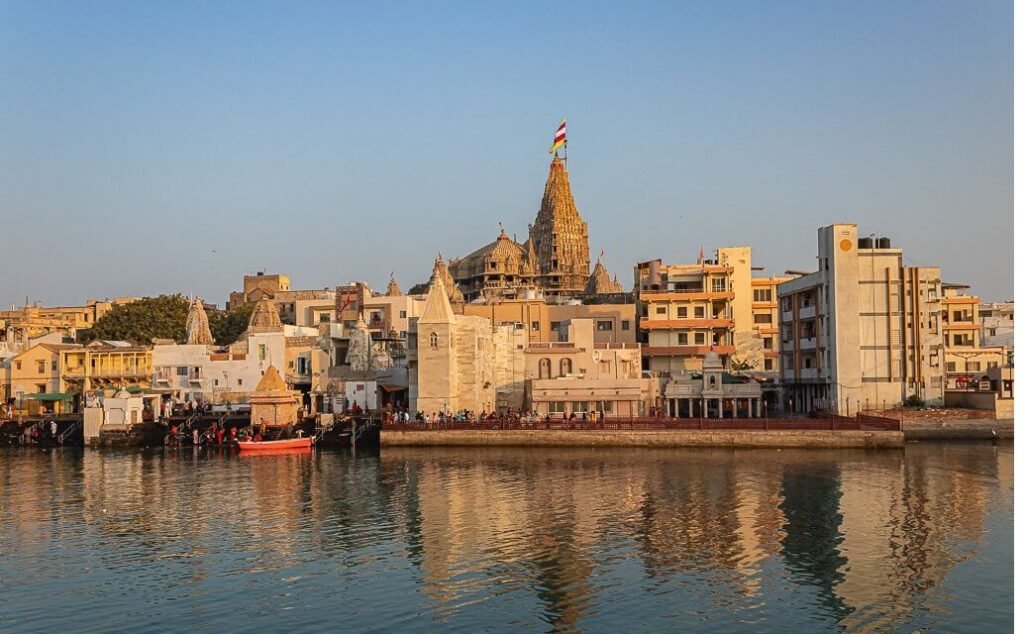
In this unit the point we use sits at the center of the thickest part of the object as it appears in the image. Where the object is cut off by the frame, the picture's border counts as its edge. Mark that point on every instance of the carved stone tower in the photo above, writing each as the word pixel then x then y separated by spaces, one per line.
pixel 560 236
pixel 197 325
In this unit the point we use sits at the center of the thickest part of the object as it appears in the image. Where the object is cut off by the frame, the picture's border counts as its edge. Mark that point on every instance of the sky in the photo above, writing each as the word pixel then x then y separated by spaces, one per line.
pixel 151 148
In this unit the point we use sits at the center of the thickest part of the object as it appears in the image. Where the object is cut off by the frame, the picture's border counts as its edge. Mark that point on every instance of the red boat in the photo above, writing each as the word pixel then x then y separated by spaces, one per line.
pixel 275 446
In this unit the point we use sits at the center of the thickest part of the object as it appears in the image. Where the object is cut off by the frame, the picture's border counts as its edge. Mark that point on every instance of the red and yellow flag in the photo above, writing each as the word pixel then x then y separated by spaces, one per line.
pixel 559 138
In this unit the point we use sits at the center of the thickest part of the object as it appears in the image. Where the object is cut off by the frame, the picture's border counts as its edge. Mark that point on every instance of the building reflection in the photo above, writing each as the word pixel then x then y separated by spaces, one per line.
pixel 872 533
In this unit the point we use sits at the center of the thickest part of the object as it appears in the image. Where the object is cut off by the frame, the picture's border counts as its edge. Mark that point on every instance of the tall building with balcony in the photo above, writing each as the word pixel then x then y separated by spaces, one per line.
pixel 863 331
pixel 963 336
pixel 688 310
pixel 106 365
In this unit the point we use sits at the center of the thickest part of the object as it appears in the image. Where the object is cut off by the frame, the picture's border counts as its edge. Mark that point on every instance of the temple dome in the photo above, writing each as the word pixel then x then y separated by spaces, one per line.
pixel 271 381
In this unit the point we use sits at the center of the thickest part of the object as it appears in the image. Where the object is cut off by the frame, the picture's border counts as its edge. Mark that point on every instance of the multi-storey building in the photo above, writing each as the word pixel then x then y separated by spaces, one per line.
pixel 18 327
pixel 688 310
pixel 997 324
pixel 34 379
pixel 613 323
pixel 963 333
pixel 861 332
pixel 106 364
pixel 578 374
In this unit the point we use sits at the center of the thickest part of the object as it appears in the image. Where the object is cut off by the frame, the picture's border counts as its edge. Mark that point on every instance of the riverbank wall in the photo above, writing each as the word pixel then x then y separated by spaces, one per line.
pixel 642 438
pixel 987 429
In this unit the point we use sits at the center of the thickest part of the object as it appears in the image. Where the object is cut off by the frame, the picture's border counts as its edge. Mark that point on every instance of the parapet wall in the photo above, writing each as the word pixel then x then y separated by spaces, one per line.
pixel 659 438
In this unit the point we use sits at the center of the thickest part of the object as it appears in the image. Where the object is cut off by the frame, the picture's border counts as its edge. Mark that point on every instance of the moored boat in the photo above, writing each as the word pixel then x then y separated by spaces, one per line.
pixel 269 446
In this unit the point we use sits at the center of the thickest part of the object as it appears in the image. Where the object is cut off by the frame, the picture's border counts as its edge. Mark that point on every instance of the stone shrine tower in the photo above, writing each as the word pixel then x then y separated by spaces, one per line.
pixel 560 236
pixel 272 402
pixel 197 325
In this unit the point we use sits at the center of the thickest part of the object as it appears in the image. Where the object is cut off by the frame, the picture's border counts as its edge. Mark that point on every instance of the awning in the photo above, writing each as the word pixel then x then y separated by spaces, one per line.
pixel 51 396
pixel 392 388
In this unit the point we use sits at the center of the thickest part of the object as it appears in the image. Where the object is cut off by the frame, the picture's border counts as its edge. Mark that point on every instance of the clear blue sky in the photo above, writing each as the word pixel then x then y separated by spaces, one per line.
pixel 173 147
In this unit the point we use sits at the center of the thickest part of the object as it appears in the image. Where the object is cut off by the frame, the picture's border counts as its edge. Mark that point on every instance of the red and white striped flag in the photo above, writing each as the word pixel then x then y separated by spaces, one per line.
pixel 559 138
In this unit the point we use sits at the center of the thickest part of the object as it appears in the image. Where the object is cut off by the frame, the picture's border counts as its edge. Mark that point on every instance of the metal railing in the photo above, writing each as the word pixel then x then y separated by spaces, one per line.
pixel 819 423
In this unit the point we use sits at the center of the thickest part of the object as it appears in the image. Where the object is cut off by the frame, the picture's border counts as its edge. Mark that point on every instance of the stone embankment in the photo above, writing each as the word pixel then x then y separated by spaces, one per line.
pixel 971 429
pixel 643 438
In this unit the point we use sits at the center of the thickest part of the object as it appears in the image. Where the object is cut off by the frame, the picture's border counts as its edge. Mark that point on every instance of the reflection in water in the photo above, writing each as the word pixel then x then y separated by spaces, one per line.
pixel 567 540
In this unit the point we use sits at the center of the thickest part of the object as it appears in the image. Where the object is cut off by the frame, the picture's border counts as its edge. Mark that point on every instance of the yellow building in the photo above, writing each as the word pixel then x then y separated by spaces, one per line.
pixel 688 310
pixel 19 326
pixel 105 364
pixel 962 330
pixel 35 380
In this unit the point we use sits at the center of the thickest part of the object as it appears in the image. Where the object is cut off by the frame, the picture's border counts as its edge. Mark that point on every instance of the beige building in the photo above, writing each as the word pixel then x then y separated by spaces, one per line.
pixel 997 324
pixel 18 327
pixel 456 362
pixel 863 331
pixel 543 322
pixel 714 393
pixel 106 365
pixel 305 308
pixel 688 310
pixel 578 374
pixel 963 330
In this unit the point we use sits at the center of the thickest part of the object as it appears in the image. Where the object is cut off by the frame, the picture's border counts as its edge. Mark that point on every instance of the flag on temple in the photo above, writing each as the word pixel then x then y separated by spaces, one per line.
pixel 559 138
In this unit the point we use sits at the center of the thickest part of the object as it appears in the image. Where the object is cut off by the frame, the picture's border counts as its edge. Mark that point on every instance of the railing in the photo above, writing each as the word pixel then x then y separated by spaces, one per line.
pixel 820 423
pixel 75 426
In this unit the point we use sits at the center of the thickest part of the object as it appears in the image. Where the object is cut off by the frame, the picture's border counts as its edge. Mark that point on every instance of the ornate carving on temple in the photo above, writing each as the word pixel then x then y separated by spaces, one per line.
pixel 443 275
pixel 273 404
pixel 560 236
pixel 265 318
pixel 359 346
pixel 600 283
pixel 197 325
pixel 502 268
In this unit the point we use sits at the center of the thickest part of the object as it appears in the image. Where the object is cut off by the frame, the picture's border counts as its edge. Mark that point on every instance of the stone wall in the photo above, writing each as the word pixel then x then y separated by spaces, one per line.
pixel 674 438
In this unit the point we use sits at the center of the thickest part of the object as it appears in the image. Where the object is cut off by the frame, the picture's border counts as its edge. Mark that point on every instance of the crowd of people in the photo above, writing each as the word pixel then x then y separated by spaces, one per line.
pixel 507 417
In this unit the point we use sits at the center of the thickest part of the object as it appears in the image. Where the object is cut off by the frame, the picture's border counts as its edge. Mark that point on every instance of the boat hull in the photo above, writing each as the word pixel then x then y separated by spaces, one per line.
pixel 275 446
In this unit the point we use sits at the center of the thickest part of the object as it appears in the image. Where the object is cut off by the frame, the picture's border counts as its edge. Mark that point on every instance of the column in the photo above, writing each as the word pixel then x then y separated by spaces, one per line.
pixel 735 407
pixel 689 408
pixel 671 408
pixel 721 414
pixel 704 407
pixel 758 402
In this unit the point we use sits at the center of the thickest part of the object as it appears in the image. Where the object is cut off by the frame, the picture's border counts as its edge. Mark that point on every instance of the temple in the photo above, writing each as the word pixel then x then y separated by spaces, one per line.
pixel 554 260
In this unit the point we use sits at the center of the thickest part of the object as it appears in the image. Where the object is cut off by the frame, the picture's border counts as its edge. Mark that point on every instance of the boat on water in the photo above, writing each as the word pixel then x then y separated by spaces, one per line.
pixel 272 446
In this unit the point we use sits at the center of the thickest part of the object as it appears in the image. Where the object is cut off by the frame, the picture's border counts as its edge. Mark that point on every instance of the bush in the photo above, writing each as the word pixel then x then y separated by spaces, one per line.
pixel 914 401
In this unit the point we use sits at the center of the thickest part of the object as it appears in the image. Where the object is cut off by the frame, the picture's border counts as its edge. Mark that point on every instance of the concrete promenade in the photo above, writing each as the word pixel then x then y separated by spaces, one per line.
pixel 971 429
pixel 642 438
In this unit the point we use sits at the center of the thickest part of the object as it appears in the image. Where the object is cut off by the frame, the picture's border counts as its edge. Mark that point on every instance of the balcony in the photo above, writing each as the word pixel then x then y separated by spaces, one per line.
pixel 671 351
pixel 666 324
pixel 549 346
pixel 685 295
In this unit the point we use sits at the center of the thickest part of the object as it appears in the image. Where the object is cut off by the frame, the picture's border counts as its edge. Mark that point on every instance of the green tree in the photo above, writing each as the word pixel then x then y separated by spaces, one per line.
pixel 227 326
pixel 142 321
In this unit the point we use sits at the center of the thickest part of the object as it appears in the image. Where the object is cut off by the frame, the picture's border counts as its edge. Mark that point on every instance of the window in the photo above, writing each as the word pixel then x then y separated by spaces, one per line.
pixel 53 365
pixel 403 334
pixel 762 294
pixel 554 326
pixel 433 340
pixel 239 382
pixel 682 339
pixel 991 332
pixel 768 365
pixel 565 367
pixel 17 365
pixel 402 314
pixel 263 351
pixel 215 383
pixel 974 366
pixel 718 285
pixel 325 318
pixel 182 371
pixel 605 325
pixel 40 367
pixel 660 310
pixel 545 369
pixel 680 312
pixel 698 338
pixel 950 366
pixel 763 319
pixel 556 408
pixel 535 326
pixel 698 312
pixel 992 365
pixel 787 304
pixel 625 324
pixel 767 343
pixel 807 363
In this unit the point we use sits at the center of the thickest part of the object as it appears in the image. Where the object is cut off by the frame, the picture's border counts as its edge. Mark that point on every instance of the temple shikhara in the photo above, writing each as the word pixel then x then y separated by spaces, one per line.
pixel 553 261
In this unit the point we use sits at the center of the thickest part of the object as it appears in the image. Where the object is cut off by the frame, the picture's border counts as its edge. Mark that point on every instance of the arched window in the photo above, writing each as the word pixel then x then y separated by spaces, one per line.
pixel 433 340
pixel 566 367
pixel 545 368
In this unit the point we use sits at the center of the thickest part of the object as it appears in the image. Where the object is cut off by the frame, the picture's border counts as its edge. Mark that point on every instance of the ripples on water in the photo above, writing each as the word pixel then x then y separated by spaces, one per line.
pixel 505 539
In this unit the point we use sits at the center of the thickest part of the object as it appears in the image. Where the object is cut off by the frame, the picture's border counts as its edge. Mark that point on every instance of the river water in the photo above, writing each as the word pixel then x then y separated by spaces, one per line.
pixel 509 540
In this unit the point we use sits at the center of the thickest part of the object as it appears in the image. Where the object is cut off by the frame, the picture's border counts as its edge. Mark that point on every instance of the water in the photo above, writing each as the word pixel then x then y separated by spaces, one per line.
pixel 509 540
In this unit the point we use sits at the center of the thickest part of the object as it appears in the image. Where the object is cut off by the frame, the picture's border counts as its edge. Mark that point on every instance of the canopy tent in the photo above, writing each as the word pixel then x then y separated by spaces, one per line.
pixel 50 397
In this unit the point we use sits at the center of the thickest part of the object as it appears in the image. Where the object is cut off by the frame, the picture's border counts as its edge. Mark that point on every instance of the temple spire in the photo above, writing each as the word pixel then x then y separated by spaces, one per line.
pixel 560 235
pixel 393 288
pixel 197 325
